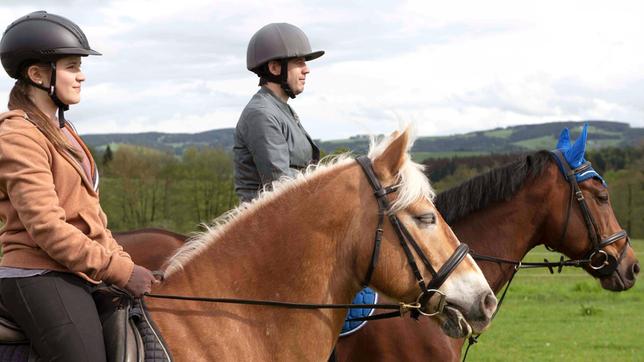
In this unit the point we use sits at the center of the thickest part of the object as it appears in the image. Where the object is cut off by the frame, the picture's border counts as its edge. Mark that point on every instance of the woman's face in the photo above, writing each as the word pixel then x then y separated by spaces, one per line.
pixel 68 79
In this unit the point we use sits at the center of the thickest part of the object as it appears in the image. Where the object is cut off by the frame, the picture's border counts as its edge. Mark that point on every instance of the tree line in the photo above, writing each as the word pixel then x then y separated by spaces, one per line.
pixel 144 187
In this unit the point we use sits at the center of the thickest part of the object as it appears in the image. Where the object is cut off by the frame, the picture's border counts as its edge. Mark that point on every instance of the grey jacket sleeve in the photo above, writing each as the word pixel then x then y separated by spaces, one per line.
pixel 268 146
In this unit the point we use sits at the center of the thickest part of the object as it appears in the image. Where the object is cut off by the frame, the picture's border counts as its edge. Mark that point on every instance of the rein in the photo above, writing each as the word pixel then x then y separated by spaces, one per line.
pixel 607 263
pixel 427 290
pixel 532 265
pixel 401 307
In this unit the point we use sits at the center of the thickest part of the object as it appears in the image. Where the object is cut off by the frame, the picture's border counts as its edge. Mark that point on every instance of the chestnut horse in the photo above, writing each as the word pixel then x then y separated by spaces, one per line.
pixel 505 213
pixel 150 247
pixel 311 240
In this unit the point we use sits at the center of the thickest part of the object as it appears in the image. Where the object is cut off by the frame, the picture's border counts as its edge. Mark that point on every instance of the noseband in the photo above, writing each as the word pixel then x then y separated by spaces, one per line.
pixel 427 290
pixel 601 263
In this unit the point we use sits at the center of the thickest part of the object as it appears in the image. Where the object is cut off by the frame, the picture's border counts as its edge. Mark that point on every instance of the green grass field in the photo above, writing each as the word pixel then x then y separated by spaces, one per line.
pixel 565 317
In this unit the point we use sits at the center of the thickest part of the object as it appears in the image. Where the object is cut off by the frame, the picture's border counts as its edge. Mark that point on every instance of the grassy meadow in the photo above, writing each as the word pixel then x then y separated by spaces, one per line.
pixel 565 317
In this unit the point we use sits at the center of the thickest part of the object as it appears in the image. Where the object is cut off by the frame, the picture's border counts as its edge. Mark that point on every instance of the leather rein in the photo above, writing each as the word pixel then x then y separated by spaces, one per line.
pixel 427 291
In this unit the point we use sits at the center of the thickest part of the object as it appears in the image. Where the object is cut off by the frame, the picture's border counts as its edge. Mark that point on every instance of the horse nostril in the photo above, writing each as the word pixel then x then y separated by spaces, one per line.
pixel 636 269
pixel 488 304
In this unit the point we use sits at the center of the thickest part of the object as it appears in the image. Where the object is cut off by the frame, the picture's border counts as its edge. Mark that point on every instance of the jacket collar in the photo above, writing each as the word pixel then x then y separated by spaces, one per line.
pixel 91 185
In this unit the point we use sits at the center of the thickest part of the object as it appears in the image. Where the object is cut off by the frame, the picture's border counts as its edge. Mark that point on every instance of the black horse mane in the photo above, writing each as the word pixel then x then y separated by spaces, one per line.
pixel 499 184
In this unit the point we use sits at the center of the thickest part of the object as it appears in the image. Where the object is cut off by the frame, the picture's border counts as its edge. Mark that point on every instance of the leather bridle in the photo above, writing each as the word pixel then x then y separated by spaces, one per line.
pixel 427 290
pixel 600 262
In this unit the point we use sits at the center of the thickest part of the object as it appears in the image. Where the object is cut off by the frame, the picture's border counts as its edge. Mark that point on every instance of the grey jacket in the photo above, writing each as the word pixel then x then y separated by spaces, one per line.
pixel 270 142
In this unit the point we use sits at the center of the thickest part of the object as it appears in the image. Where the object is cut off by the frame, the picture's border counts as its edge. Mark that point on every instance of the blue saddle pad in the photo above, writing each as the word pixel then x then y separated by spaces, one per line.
pixel 365 296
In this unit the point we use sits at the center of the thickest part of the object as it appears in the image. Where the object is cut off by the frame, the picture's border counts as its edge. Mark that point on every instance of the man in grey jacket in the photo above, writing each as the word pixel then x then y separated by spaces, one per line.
pixel 270 141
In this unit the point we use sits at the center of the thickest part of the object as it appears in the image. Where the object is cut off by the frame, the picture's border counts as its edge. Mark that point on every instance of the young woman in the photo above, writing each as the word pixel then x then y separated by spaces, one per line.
pixel 55 242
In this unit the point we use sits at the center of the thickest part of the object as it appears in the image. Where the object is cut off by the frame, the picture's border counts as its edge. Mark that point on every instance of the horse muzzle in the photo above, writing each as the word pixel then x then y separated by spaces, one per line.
pixel 458 322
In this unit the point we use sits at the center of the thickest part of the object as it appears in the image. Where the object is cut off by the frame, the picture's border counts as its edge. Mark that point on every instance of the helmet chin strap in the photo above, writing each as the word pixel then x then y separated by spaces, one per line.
pixel 281 79
pixel 284 79
pixel 62 107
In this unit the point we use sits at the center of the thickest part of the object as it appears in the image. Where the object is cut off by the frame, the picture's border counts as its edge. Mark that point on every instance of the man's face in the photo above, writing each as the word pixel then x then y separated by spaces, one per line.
pixel 297 71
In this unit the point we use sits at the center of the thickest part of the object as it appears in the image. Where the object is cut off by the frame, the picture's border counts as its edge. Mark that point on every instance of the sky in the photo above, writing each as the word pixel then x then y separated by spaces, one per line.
pixel 447 66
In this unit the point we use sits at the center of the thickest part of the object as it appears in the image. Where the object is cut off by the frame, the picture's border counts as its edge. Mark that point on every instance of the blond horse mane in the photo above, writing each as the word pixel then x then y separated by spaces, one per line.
pixel 412 182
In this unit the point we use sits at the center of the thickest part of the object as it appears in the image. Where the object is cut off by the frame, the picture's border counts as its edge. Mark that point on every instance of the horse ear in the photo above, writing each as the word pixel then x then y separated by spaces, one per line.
pixel 564 140
pixel 575 155
pixel 388 164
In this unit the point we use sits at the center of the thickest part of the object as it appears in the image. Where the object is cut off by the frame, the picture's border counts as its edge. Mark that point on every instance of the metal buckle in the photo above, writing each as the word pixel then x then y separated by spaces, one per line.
pixel 579 195
pixel 439 307
pixel 603 263
pixel 406 307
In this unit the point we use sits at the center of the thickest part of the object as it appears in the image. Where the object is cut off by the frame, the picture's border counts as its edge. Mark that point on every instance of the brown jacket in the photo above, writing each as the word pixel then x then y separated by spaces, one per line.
pixel 51 212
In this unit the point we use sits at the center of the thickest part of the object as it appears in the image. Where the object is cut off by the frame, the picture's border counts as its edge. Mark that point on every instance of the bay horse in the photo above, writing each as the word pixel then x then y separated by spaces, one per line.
pixel 505 213
pixel 150 247
pixel 311 240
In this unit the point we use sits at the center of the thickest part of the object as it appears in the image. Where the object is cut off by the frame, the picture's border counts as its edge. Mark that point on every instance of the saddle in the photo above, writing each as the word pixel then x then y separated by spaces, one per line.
pixel 129 333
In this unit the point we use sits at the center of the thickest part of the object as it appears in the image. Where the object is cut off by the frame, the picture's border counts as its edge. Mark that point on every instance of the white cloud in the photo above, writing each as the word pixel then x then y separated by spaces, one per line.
pixel 452 66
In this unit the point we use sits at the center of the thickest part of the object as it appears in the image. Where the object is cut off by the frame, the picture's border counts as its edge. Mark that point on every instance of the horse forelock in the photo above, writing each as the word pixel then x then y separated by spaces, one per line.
pixel 412 183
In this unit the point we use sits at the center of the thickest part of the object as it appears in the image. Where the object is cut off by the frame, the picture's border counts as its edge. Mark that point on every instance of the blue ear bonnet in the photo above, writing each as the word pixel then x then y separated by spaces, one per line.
pixel 574 154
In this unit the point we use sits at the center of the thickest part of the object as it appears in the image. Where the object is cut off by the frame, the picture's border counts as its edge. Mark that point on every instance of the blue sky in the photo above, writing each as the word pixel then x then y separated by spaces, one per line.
pixel 447 66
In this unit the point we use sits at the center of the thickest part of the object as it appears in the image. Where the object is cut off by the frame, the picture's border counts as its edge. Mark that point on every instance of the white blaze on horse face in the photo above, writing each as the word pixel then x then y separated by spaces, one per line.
pixel 466 284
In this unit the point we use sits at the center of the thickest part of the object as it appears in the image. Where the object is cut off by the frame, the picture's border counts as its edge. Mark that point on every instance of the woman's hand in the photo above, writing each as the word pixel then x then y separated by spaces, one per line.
pixel 140 281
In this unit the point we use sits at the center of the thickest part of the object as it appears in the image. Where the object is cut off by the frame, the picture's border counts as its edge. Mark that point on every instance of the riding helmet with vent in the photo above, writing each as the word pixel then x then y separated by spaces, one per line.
pixel 41 37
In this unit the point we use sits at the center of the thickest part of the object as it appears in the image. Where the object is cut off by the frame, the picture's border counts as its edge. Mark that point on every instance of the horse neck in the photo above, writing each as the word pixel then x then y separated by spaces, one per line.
pixel 506 229
pixel 288 248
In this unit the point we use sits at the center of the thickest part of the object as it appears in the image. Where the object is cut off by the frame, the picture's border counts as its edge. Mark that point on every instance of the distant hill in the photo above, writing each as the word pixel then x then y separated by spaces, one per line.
pixel 173 142
pixel 508 140
pixel 499 140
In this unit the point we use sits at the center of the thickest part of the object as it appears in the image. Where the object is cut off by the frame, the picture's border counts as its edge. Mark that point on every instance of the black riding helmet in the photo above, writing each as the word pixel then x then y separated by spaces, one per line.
pixel 278 41
pixel 42 37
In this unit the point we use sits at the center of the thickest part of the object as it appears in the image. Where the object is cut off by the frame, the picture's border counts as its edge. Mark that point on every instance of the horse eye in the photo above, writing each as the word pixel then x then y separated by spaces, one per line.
pixel 427 219
pixel 602 197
